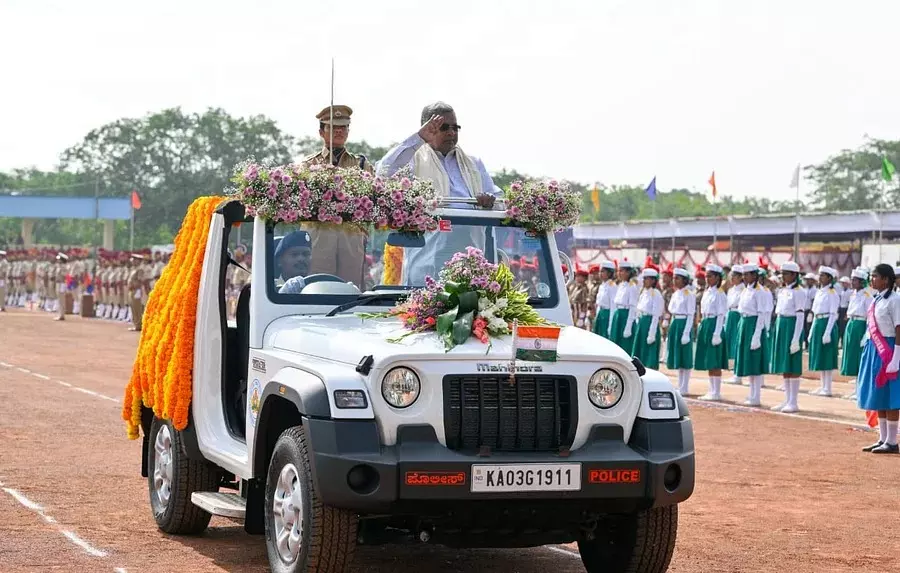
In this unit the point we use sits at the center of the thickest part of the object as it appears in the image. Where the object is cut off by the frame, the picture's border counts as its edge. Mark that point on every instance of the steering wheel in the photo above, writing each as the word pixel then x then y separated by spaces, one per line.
pixel 322 277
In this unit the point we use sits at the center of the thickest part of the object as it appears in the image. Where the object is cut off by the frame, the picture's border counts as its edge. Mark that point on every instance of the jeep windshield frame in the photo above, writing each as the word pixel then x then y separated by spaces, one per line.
pixel 489 223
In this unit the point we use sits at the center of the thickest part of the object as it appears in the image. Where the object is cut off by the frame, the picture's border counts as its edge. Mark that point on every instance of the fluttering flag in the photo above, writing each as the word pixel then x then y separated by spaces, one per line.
pixel 135 200
pixel 887 169
pixel 595 199
pixel 795 179
pixel 712 181
pixel 651 189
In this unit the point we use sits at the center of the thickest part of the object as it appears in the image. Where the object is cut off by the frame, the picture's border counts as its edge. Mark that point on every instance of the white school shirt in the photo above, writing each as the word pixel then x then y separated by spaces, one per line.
pixel 887 314
pixel 626 295
pixel 606 295
pixel 714 303
pixel 811 293
pixel 752 301
pixel 683 302
pixel 846 293
pixel 860 301
pixel 651 302
pixel 791 301
pixel 734 295
pixel 827 301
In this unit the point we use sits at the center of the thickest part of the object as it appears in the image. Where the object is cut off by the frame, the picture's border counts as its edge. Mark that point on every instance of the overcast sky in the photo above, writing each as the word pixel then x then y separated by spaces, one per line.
pixel 613 91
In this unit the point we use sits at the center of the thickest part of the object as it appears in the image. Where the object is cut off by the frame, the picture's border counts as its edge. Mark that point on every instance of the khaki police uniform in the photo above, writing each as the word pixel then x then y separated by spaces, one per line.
pixel 340 252
pixel 135 284
pixel 4 272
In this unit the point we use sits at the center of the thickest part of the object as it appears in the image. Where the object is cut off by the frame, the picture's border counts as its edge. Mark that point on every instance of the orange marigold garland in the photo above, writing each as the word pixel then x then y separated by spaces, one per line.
pixel 161 375
pixel 393 265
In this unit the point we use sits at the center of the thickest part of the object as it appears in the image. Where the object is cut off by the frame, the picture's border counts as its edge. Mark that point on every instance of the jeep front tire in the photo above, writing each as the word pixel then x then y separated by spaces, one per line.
pixel 172 477
pixel 303 535
pixel 642 542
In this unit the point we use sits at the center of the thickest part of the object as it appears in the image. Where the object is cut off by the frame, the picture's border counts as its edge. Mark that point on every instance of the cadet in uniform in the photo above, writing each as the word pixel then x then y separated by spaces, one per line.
pixel 787 357
pixel 136 292
pixel 679 353
pixel 625 312
pixel 337 251
pixel 861 298
pixel 823 336
pixel 605 301
pixel 649 310
pixel 594 283
pixel 4 271
pixel 579 300
pixel 712 352
pixel 754 308
pixel 60 282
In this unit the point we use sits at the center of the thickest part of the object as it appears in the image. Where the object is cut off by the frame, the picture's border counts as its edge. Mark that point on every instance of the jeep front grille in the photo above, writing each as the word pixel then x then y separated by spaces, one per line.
pixel 535 413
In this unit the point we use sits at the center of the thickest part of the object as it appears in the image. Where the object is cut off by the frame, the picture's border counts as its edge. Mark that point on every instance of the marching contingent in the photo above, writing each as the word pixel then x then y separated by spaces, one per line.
pixel 751 322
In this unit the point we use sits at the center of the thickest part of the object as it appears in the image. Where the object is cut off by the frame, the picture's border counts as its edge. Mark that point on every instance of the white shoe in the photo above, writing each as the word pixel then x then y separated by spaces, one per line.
pixel 779 407
pixel 732 380
pixel 790 410
pixel 851 396
pixel 816 392
pixel 710 398
pixel 780 388
pixel 753 403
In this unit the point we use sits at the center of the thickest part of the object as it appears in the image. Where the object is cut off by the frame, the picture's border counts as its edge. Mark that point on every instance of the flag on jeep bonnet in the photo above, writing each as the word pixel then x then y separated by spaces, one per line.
pixel 536 343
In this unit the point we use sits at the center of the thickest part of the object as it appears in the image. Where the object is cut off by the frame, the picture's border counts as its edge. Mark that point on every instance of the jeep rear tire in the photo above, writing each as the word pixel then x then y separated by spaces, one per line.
pixel 172 477
pixel 303 535
pixel 639 543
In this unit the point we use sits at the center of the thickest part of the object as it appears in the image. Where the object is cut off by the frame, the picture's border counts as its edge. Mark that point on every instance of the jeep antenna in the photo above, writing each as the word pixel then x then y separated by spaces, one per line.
pixel 331 116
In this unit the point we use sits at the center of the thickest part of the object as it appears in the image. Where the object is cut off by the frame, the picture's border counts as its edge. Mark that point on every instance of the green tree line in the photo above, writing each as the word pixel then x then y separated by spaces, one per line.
pixel 171 157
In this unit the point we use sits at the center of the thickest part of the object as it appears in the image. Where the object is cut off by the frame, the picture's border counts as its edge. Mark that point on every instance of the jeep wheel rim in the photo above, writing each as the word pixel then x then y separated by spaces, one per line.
pixel 162 466
pixel 287 506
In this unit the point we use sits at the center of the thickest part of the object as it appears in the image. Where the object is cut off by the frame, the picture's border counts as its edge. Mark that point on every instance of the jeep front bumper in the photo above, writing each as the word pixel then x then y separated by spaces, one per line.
pixel 352 470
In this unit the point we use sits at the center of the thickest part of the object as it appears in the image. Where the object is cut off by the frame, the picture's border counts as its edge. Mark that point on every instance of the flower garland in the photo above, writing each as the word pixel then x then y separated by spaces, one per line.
pixel 161 374
pixel 543 206
pixel 393 265
pixel 336 195
pixel 473 297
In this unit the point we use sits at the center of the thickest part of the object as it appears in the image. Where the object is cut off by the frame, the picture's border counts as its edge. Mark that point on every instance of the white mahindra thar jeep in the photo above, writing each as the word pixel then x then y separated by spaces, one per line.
pixel 312 428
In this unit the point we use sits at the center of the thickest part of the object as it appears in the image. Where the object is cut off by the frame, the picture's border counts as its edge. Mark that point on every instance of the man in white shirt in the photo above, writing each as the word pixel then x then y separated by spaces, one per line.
pixel 433 153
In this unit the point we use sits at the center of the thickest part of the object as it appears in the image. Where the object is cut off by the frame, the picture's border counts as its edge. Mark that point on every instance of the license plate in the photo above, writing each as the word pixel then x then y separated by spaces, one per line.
pixel 526 477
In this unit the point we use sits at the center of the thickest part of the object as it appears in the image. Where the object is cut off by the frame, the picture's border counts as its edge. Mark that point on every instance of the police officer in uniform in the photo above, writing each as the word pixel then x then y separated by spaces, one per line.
pixel 342 251
pixel 4 271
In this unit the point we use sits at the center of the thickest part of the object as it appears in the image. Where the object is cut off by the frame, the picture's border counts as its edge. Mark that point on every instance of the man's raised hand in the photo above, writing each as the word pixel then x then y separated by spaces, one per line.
pixel 431 128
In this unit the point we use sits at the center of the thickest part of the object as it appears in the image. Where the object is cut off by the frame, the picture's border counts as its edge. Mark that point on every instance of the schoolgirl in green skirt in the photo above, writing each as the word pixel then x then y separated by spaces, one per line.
pixel 734 316
pixel 679 350
pixel 787 355
pixel 854 334
pixel 750 357
pixel 606 299
pixel 767 336
pixel 650 311
pixel 712 349
pixel 823 344
pixel 625 313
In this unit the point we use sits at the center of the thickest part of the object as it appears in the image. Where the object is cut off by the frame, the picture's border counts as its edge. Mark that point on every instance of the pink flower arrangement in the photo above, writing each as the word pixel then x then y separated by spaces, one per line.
pixel 543 206
pixel 335 195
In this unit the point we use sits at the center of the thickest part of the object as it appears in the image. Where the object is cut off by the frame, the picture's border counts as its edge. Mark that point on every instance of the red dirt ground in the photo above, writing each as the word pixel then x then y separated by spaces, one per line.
pixel 774 493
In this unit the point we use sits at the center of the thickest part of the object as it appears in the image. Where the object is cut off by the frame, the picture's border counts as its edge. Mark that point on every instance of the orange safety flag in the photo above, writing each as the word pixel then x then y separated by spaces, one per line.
pixel 135 200
pixel 712 181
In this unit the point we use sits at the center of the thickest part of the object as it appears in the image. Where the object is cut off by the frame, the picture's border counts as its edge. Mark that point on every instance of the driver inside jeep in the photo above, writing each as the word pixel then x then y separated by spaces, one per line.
pixel 293 255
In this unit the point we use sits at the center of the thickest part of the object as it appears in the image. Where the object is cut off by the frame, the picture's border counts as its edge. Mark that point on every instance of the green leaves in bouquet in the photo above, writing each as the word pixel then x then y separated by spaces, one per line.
pixel 455 325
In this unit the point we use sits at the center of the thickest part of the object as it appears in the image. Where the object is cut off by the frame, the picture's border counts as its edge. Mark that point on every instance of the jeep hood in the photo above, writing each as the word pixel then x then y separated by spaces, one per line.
pixel 348 338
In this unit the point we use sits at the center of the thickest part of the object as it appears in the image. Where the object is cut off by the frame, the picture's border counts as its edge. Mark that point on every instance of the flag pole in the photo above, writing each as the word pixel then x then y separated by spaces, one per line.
pixel 131 242
pixel 715 229
pixel 797 224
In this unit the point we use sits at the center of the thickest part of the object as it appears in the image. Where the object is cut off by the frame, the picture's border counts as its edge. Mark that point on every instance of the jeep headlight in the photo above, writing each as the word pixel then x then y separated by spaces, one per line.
pixel 605 388
pixel 400 387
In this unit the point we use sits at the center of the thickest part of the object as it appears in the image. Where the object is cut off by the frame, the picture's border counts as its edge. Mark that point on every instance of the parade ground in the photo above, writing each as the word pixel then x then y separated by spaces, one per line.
pixel 774 492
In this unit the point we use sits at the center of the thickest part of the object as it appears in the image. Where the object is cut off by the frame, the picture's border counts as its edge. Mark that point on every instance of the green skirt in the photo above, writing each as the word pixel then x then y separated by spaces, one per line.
pixel 617 329
pixel 648 353
pixel 748 362
pixel 822 357
pixel 601 323
pixel 710 357
pixel 732 319
pixel 782 361
pixel 678 355
pixel 852 353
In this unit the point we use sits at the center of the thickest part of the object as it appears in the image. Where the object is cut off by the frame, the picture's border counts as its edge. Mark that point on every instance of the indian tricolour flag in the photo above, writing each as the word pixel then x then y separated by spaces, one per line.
pixel 536 343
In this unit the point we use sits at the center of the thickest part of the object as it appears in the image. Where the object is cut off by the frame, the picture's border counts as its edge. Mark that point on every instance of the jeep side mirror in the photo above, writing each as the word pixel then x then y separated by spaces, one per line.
pixel 406 240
